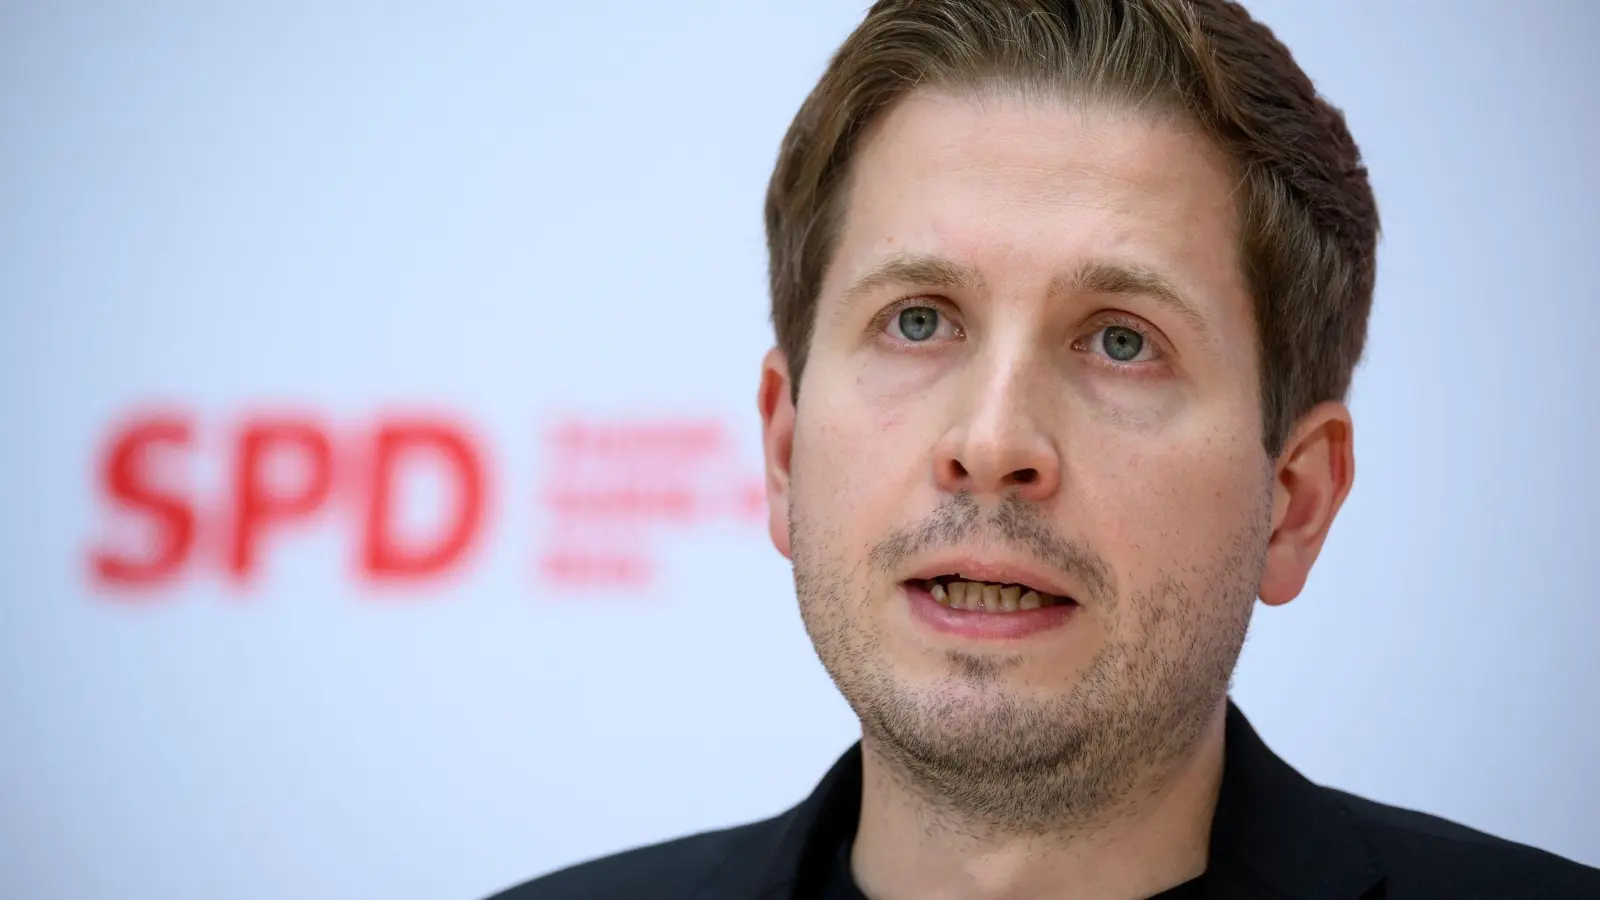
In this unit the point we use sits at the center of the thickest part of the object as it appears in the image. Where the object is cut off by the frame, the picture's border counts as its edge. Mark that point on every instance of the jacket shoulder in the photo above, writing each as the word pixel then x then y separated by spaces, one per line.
pixel 1427 856
pixel 675 868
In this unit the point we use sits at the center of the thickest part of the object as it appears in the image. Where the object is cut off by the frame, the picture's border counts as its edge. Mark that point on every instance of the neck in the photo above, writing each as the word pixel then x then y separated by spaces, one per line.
pixel 909 847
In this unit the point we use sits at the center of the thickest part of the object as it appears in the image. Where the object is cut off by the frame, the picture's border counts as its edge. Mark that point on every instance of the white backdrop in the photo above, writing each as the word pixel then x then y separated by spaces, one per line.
pixel 509 217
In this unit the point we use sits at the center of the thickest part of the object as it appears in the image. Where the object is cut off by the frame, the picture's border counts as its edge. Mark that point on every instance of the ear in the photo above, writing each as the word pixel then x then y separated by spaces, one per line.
pixel 1313 476
pixel 776 402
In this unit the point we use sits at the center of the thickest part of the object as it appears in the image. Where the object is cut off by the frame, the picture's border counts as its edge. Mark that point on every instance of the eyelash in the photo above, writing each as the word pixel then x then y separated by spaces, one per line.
pixel 1116 320
pixel 881 322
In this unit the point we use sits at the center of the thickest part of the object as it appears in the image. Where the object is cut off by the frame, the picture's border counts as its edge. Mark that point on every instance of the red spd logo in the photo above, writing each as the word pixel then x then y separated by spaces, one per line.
pixel 608 488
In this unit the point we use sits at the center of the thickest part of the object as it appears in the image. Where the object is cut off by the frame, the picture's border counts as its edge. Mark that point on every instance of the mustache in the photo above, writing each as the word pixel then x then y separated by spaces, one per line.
pixel 1015 523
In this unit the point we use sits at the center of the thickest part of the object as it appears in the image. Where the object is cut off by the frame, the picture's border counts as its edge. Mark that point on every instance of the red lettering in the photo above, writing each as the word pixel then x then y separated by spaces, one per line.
pixel 603 568
pixel 627 503
pixel 127 480
pixel 259 501
pixel 674 440
pixel 384 556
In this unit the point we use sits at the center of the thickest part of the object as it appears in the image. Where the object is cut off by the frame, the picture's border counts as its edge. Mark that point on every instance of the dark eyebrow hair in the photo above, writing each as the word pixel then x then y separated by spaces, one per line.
pixel 1103 277
pixel 918 270
pixel 1121 279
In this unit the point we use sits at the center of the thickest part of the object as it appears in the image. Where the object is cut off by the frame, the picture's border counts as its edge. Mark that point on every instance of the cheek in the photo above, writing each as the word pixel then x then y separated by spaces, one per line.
pixel 1136 406
pixel 860 464
pixel 1169 506
pixel 842 456
pixel 886 385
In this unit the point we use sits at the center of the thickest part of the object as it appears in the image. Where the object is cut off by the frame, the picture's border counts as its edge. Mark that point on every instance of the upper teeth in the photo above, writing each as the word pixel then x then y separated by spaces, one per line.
pixel 988 596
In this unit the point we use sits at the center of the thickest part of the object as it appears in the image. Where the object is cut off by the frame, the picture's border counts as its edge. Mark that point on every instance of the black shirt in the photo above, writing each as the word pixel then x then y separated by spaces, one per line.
pixel 1274 835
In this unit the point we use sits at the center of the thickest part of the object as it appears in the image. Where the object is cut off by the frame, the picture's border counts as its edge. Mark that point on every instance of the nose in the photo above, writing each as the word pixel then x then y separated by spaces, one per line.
pixel 997 444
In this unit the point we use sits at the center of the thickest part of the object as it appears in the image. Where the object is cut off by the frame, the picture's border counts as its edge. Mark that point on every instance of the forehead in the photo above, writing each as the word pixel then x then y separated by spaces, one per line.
pixel 1019 189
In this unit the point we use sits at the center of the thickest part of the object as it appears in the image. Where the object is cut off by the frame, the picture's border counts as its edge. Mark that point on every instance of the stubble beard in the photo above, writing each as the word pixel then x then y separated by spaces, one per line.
pixel 989 760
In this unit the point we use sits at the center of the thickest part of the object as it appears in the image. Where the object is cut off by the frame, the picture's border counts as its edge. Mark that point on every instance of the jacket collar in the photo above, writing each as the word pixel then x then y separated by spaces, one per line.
pixel 1272 828
pixel 1275 825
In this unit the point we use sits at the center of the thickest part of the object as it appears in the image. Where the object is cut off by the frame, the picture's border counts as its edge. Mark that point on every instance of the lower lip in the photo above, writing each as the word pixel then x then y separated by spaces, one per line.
pixel 984 625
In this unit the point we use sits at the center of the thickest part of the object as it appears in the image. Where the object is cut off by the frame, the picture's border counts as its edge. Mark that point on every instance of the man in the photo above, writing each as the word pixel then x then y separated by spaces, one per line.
pixel 1067 298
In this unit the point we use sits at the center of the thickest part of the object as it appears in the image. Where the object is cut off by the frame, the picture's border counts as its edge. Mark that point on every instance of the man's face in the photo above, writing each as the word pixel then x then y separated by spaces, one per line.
pixel 1033 363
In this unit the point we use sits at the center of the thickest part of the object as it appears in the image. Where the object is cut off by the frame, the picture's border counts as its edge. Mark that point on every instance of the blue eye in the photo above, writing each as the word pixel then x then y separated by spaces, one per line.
pixel 1122 344
pixel 919 323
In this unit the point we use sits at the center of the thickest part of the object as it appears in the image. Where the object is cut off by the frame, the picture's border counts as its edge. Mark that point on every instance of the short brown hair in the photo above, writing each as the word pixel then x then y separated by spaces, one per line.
pixel 1309 222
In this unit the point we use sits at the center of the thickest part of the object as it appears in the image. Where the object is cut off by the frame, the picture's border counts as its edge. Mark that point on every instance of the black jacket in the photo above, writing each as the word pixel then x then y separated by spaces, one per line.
pixel 1275 835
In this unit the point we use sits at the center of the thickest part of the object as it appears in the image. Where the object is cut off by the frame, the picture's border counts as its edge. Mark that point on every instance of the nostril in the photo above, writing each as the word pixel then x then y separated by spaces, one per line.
pixel 1025 476
pixel 958 469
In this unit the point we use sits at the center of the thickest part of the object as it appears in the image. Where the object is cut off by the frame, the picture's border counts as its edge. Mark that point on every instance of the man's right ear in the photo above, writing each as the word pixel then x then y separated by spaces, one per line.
pixel 777 439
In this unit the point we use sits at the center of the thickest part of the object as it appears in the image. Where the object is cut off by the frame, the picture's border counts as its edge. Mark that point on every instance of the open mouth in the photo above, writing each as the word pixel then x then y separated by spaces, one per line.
pixel 956 592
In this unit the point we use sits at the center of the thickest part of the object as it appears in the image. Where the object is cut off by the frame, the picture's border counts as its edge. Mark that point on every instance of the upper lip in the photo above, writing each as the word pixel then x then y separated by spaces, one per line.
pixel 995 570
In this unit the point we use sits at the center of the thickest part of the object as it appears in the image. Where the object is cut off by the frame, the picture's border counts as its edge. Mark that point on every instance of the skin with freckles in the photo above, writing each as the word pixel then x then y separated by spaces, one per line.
pixel 1034 346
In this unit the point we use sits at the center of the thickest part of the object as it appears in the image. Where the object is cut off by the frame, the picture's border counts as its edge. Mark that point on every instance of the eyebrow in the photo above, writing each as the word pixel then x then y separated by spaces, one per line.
pixel 1102 277
pixel 1123 280
pixel 915 269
